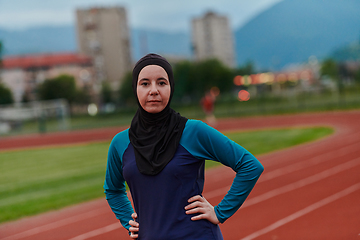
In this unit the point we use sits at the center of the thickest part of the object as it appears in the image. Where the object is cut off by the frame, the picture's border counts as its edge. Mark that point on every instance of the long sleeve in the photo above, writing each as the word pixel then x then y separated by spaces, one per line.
pixel 114 186
pixel 205 142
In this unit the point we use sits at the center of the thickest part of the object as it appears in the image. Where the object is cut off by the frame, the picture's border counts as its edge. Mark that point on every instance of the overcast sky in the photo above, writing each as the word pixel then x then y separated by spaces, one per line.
pixel 170 15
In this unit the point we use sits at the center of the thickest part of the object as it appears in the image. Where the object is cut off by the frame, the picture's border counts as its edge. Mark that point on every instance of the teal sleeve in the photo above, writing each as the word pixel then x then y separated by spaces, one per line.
pixel 114 186
pixel 205 142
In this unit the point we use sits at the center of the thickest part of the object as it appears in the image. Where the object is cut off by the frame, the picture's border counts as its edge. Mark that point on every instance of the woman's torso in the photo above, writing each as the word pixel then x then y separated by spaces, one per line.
pixel 160 200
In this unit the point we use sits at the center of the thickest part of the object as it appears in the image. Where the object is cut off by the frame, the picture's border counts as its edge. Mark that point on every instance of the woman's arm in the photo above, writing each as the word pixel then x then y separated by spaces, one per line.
pixel 206 142
pixel 115 188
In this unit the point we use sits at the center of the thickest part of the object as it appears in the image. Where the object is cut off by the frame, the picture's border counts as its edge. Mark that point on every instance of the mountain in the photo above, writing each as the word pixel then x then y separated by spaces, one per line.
pixel 349 52
pixel 293 30
pixel 39 40
pixel 63 39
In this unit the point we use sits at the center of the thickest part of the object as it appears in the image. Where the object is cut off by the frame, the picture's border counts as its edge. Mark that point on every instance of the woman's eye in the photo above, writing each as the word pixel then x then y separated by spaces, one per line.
pixel 144 84
pixel 162 83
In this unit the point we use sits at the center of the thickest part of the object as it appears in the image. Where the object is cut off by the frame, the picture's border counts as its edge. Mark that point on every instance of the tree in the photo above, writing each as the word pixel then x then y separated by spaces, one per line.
pixel 357 76
pixel 106 93
pixel 194 79
pixel 1 48
pixel 82 96
pixel 62 86
pixel 126 94
pixel 247 69
pixel 329 68
pixel 5 95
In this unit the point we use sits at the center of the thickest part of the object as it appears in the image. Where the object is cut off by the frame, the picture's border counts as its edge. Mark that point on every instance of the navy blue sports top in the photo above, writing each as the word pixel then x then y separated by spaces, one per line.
pixel 160 200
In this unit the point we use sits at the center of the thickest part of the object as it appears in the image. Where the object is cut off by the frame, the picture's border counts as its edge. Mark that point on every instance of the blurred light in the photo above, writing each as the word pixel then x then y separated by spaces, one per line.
pixel 246 80
pixel 255 78
pixel 305 75
pixel 263 78
pixel 243 95
pixel 215 91
pixel 281 78
pixel 84 75
pixel 293 77
pixel 238 80
pixel 271 77
pixel 92 109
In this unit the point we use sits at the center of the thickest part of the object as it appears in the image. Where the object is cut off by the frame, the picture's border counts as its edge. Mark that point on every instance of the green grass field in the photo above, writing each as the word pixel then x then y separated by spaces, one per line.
pixel 39 180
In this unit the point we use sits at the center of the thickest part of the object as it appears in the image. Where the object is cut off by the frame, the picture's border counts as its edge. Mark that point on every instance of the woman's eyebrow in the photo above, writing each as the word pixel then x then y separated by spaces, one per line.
pixel 144 79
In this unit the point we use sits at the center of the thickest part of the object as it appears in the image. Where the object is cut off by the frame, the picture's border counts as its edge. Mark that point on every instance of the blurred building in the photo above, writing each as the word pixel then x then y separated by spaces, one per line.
pixel 103 34
pixel 213 38
pixel 22 74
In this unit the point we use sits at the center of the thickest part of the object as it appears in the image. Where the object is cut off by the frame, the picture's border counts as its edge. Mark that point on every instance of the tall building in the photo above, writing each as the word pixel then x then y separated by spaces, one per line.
pixel 213 38
pixel 103 34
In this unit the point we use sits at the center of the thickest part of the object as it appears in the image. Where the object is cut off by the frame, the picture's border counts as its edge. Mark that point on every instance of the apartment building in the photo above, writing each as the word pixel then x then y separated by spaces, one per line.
pixel 103 34
pixel 212 37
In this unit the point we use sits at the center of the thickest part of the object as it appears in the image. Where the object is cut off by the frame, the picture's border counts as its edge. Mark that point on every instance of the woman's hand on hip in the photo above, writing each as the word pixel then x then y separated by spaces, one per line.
pixel 199 205
pixel 134 229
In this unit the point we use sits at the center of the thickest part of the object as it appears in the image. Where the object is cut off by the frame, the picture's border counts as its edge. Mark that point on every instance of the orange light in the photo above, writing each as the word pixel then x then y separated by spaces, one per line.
pixel 215 91
pixel 243 95
pixel 238 80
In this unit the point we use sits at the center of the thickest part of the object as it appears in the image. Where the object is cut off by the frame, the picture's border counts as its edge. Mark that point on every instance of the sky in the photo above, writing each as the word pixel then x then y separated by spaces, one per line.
pixel 168 15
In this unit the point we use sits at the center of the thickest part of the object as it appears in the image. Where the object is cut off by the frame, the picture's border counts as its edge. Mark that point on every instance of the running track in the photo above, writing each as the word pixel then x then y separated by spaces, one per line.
pixel 310 191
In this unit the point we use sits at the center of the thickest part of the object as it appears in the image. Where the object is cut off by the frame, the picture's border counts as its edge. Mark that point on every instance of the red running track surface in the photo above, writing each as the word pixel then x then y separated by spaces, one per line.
pixel 311 191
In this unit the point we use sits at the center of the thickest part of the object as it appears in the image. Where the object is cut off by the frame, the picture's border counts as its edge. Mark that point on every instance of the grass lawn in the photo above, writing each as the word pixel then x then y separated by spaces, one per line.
pixel 39 180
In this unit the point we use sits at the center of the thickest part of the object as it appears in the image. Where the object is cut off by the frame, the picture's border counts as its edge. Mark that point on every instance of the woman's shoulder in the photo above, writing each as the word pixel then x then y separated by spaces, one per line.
pixel 121 137
pixel 193 125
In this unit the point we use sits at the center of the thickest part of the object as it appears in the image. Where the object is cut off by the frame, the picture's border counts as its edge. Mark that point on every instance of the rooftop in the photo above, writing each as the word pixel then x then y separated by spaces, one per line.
pixel 44 60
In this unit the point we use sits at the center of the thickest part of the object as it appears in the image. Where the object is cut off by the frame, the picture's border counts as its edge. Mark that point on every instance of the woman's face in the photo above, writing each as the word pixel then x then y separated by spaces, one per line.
pixel 153 88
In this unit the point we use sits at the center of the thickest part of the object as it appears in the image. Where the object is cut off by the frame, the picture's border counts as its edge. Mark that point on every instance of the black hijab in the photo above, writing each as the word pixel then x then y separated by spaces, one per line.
pixel 155 136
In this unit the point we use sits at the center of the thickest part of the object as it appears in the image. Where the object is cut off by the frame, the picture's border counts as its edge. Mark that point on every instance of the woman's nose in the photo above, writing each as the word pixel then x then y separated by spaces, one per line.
pixel 154 90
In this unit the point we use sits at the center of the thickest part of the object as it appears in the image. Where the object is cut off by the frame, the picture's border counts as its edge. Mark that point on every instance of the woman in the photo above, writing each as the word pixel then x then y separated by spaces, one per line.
pixel 162 156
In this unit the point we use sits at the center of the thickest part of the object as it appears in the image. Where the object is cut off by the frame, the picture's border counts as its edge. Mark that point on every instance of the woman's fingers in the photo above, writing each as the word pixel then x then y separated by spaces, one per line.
pixel 194 205
pixel 134 229
pixel 199 217
pixel 133 235
pixel 204 209
pixel 195 198
pixel 133 223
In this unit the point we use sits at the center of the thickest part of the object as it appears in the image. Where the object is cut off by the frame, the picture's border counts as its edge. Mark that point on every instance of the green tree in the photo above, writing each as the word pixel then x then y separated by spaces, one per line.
pixel 126 95
pixel 183 73
pixel 82 96
pixel 357 77
pixel 5 95
pixel 1 48
pixel 194 79
pixel 106 93
pixel 247 69
pixel 329 68
pixel 62 86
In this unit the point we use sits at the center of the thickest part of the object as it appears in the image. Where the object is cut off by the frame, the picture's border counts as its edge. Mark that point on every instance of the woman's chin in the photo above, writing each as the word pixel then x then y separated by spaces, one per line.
pixel 154 109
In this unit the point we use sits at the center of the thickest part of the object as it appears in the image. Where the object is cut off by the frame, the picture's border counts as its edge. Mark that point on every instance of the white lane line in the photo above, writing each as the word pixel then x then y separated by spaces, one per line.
pixel 97 232
pixel 304 211
pixel 289 169
pixel 290 187
pixel 311 162
pixel 54 225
